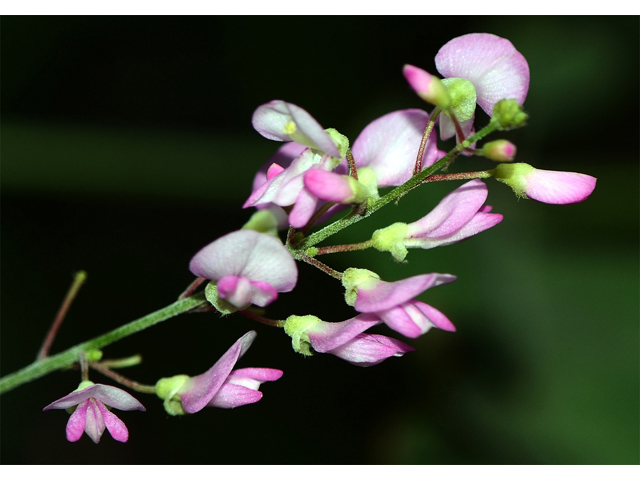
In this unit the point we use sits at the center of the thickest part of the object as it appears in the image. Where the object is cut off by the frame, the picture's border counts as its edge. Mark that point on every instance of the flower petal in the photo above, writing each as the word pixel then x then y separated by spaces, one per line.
pixel 231 396
pixel 112 396
pixel 271 121
pixel 386 295
pixel 559 187
pixel 452 213
pixel 367 349
pixel 77 421
pixel 198 391
pixel 95 426
pixel 325 336
pixel 496 69
pixel 389 146
pixel 116 427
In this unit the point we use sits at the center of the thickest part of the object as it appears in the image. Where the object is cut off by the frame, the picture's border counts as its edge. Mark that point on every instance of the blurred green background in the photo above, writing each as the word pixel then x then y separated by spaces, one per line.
pixel 127 146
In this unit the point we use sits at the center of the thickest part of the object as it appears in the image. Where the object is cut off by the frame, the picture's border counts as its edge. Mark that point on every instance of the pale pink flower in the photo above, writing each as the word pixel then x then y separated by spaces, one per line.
pixel 92 415
pixel 345 339
pixel 494 67
pixel 248 266
pixel 393 302
pixel 220 386
pixel 546 186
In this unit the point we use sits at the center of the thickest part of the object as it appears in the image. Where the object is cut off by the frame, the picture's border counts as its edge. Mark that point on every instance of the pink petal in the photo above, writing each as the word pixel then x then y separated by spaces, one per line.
pixel 406 319
pixel 198 391
pixel 304 208
pixel 328 186
pixel 559 187
pixel 257 256
pixel 270 120
pixel 435 316
pixel 386 295
pixel 253 377
pixel 366 349
pixel 77 421
pixel 231 396
pixel 242 292
pixel 389 146
pixel 116 427
pixel 95 425
pixel 492 64
pixel 325 336
pixel 453 212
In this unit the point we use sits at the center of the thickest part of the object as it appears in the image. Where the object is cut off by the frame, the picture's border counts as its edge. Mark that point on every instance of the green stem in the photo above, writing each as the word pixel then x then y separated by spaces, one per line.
pixel 68 357
pixel 397 192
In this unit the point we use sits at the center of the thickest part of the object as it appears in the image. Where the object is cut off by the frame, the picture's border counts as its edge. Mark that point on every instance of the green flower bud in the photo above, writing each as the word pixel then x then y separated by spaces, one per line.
pixel 499 150
pixel 508 114
pixel 463 98
pixel 263 221
pixel 93 355
pixel 340 140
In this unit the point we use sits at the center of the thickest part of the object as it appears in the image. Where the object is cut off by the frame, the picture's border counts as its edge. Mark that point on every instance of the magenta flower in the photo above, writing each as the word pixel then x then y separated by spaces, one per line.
pixel 92 415
pixel 248 266
pixel 393 302
pixel 477 68
pixel 220 386
pixel 459 215
pixel 345 339
pixel 545 185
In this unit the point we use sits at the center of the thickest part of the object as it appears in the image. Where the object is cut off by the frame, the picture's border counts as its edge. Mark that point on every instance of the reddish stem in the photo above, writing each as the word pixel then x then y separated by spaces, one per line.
pixel 191 288
pixel 344 248
pixel 78 280
pixel 261 319
pixel 121 379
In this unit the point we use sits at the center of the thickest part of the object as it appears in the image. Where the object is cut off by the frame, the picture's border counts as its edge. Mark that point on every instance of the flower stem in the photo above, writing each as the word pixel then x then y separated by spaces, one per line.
pixel 78 280
pixel 121 379
pixel 345 248
pixel 42 367
pixel 261 319
pixel 425 138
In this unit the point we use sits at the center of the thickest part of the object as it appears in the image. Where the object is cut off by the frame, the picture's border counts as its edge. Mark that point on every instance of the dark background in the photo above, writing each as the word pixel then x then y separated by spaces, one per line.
pixel 127 146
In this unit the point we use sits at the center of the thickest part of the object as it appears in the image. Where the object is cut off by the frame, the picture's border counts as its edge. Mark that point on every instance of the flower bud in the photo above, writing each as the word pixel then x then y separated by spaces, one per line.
pixel 499 150
pixel 508 114
pixel 544 185
pixel 428 87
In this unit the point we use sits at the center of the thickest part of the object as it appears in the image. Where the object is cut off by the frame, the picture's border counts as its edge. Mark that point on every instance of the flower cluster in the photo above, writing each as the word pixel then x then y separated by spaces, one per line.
pixel 316 174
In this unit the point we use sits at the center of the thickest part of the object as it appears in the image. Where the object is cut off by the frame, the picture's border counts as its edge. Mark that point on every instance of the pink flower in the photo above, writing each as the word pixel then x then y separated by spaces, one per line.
pixel 92 415
pixel 393 302
pixel 345 339
pixel 220 386
pixel 248 266
pixel 545 185
pixel 459 215
pixel 492 68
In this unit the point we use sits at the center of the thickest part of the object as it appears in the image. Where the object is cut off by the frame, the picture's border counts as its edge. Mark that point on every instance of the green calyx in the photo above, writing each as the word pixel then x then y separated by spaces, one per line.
pixel 391 239
pixel 463 98
pixel 263 221
pixel 508 114
pixel 295 326
pixel 340 140
pixel 211 294
pixel 514 175
pixel 167 389
pixel 354 278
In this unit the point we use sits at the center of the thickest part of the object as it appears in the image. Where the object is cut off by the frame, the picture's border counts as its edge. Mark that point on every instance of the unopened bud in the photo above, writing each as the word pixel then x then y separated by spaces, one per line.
pixel 499 150
pixel 508 114
pixel 428 87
